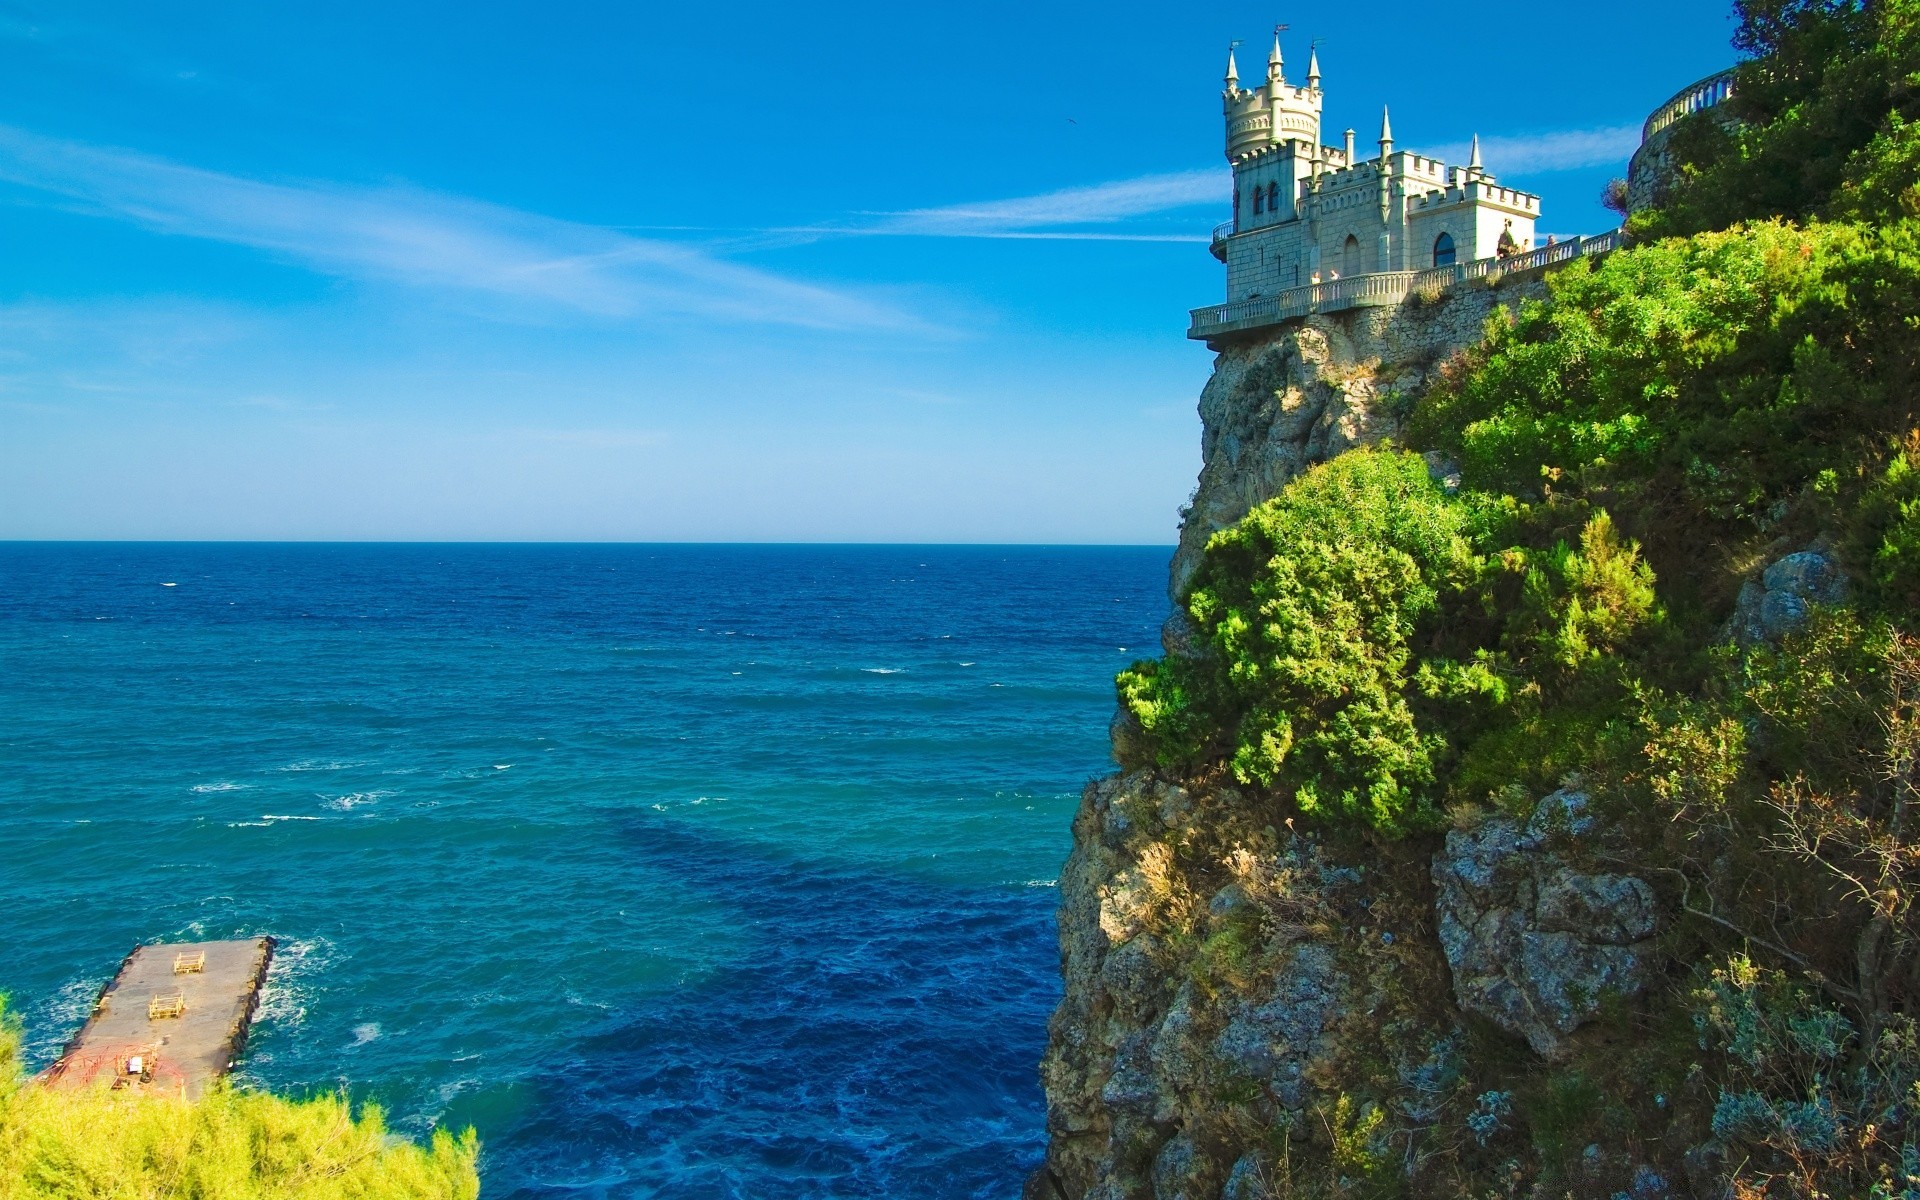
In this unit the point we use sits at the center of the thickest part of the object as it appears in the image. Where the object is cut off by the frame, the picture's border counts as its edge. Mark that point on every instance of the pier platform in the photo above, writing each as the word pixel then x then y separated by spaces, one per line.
pixel 172 1020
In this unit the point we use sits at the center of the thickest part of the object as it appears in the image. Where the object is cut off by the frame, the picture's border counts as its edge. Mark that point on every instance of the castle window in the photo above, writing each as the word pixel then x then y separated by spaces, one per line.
pixel 1273 197
pixel 1350 256
pixel 1443 254
pixel 1236 208
pixel 1257 194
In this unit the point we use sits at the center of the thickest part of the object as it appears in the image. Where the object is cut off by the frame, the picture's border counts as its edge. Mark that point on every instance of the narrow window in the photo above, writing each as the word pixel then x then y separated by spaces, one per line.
pixel 1236 208
pixel 1443 250
pixel 1273 197
pixel 1350 256
pixel 1257 193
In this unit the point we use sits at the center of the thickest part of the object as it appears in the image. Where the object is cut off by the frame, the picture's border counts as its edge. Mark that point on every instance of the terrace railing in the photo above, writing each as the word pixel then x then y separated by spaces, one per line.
pixel 1380 289
pixel 1709 92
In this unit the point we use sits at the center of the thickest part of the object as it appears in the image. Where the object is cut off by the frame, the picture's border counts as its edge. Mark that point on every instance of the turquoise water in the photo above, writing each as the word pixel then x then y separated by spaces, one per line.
pixel 677 871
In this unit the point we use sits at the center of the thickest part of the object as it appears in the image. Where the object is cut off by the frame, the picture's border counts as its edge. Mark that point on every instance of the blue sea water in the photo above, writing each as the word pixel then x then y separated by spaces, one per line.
pixel 680 871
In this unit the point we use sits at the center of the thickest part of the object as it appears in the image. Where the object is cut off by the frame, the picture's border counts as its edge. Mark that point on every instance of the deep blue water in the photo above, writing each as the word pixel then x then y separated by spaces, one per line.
pixel 676 870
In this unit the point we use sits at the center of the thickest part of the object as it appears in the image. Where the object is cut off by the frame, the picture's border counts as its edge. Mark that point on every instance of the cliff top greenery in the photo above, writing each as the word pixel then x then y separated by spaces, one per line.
pixel 1378 655
pixel 231 1145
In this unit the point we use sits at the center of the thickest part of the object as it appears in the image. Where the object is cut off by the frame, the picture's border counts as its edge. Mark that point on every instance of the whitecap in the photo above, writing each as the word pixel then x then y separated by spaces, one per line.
pixel 269 817
pixel 283 1000
pixel 501 766
pixel 884 670
pixel 352 800
pixel 364 1033
pixel 225 785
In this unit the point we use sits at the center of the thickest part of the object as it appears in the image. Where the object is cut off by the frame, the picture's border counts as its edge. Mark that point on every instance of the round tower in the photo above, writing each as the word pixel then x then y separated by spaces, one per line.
pixel 1275 112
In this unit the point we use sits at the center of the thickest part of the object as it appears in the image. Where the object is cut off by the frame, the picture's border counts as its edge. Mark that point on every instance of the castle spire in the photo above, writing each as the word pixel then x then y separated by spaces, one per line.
pixel 1233 70
pixel 1386 132
pixel 1313 67
pixel 1473 163
pixel 1276 65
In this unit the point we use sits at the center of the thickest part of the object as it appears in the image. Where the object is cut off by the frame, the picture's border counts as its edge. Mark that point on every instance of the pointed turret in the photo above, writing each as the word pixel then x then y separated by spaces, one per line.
pixel 1386 132
pixel 1313 68
pixel 1233 71
pixel 1276 66
pixel 1473 162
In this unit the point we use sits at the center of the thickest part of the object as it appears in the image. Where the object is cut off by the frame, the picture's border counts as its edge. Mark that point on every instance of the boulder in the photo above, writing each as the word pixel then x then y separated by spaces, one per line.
pixel 1534 942
pixel 1278 1040
pixel 1777 603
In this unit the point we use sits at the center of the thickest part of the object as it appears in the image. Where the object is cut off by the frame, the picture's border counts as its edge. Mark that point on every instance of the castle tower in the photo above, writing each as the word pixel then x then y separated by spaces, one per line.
pixel 1307 213
pixel 1273 140
pixel 1274 113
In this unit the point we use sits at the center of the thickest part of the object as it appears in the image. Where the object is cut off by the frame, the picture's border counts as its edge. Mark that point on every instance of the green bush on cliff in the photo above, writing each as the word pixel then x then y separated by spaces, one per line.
pixel 231 1145
pixel 1822 121
pixel 1309 610
pixel 1371 641
pixel 1703 381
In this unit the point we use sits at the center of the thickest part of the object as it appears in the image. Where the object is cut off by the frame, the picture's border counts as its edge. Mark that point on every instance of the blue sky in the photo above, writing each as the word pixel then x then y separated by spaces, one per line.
pixel 584 271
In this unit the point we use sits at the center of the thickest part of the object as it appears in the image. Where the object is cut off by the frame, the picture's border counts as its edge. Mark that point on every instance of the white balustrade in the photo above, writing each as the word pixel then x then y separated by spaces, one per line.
pixel 1709 92
pixel 1382 288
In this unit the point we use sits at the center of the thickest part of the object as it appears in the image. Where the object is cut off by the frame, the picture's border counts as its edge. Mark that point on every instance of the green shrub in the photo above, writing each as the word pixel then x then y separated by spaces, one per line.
pixel 1309 609
pixel 230 1145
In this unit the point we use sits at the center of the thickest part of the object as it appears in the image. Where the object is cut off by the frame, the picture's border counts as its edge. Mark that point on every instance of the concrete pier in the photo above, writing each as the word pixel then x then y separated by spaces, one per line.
pixel 172 1020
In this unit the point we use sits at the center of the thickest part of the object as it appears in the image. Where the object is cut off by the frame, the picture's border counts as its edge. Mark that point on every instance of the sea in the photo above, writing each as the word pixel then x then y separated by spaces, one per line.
pixel 673 870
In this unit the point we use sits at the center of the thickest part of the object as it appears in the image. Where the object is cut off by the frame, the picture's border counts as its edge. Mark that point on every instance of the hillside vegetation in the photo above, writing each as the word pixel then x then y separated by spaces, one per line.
pixel 1382 657
pixel 232 1145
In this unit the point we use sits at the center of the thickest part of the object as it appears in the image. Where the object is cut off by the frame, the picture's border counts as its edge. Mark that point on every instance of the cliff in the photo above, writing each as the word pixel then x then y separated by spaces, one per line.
pixel 1229 982
pixel 1523 805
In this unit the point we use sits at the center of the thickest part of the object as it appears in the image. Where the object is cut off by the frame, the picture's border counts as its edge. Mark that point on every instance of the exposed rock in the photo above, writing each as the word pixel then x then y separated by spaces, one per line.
pixel 1173 1170
pixel 1278 1041
pixel 1777 603
pixel 1248 1179
pixel 1178 637
pixel 1443 471
pixel 1128 739
pixel 1138 1058
pixel 1534 942
pixel 1302 393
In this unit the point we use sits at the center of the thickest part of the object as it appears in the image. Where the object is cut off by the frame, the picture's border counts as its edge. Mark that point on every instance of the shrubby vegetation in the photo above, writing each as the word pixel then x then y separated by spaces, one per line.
pixel 1375 653
pixel 231 1145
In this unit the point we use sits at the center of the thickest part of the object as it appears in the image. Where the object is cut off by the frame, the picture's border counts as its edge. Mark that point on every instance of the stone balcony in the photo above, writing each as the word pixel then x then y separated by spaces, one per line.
pixel 1378 289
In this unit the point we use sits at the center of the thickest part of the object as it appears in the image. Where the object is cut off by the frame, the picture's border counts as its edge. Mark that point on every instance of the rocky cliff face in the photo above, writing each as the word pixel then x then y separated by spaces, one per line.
pixel 1254 1011
pixel 1308 390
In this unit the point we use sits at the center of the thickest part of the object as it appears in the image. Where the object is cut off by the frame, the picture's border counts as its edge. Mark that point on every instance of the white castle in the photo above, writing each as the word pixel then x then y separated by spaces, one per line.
pixel 1308 213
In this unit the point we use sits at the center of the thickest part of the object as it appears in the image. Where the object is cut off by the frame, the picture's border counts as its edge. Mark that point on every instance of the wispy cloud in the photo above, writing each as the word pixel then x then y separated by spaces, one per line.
pixel 1564 150
pixel 1066 213
pixel 427 239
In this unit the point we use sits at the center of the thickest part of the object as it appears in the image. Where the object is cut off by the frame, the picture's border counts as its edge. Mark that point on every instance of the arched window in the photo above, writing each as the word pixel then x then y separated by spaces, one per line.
pixel 1350 256
pixel 1443 250
pixel 1257 194
pixel 1273 197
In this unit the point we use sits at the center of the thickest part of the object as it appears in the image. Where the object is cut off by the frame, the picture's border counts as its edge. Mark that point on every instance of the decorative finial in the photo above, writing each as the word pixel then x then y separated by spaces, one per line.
pixel 1313 65
pixel 1233 70
pixel 1473 163
pixel 1386 132
pixel 1276 65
